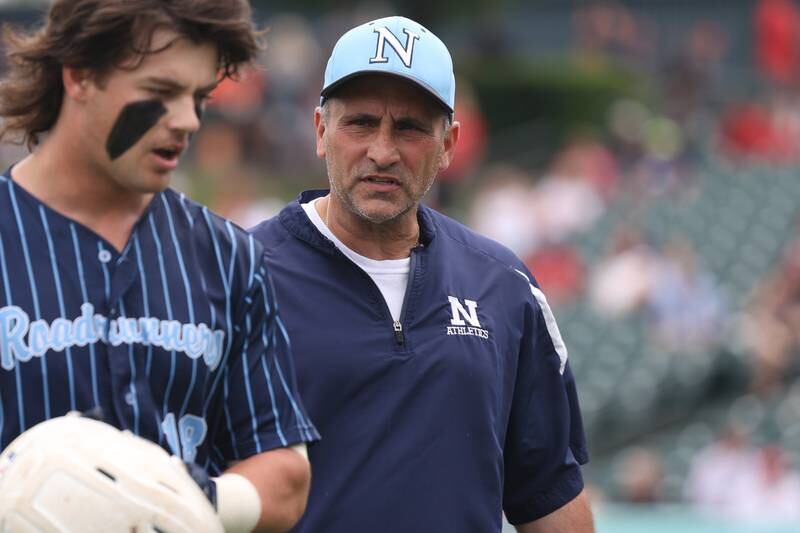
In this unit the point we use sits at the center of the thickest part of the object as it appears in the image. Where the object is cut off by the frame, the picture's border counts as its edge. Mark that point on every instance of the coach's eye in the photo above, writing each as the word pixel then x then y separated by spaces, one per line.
pixel 411 127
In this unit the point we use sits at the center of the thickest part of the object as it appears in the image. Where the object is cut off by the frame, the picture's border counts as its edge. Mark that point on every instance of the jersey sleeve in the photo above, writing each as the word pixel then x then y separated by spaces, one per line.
pixel 262 407
pixel 545 443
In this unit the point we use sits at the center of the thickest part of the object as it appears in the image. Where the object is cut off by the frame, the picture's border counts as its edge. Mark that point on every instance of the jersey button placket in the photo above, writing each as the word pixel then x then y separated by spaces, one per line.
pixel 122 280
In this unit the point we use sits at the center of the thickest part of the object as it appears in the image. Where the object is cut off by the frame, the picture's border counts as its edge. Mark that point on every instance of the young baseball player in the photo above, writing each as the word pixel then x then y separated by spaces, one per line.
pixel 427 355
pixel 118 292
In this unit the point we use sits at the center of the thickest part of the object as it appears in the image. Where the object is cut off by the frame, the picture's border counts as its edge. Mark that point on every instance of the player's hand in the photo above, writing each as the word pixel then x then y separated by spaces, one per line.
pixel 79 475
pixel 207 485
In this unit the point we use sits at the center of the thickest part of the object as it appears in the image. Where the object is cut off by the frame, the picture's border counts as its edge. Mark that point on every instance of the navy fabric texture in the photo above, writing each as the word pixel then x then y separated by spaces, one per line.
pixel 467 411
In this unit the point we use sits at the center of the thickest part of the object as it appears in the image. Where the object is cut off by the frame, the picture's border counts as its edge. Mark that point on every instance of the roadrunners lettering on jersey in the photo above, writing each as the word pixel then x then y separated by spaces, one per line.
pixel 177 338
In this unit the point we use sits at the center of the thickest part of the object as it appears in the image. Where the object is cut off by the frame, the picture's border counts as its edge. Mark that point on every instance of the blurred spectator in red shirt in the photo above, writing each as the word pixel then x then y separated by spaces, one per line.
pixel 776 40
pixel 240 98
pixel 746 129
pixel 560 271
pixel 469 150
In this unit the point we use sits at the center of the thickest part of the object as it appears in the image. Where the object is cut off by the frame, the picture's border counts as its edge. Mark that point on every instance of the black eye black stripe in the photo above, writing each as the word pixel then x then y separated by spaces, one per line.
pixel 133 122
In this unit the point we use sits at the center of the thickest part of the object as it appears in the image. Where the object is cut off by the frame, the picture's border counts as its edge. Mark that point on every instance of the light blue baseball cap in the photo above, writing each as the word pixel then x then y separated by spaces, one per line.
pixel 397 46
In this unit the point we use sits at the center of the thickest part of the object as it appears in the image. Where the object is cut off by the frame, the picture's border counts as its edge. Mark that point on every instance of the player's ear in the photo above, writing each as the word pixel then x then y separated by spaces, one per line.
pixel 320 125
pixel 449 144
pixel 76 82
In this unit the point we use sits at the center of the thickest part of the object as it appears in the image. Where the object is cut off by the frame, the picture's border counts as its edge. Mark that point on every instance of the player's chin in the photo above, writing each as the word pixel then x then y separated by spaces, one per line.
pixel 153 181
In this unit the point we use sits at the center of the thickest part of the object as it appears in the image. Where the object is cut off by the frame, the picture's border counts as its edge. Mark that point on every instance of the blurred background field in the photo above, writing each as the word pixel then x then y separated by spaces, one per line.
pixel 642 157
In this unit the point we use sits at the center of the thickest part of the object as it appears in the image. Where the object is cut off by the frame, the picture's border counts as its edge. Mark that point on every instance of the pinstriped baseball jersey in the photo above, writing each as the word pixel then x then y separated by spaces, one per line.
pixel 177 337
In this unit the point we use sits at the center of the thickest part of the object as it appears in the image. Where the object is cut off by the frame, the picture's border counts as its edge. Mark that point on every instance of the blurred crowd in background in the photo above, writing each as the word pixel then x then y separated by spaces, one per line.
pixel 663 229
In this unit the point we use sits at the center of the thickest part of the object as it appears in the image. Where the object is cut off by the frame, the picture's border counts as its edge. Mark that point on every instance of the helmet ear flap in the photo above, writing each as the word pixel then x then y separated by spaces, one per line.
pixel 76 474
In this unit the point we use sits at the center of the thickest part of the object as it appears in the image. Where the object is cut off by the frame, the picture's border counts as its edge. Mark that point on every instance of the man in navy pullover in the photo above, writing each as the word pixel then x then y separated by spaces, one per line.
pixel 426 354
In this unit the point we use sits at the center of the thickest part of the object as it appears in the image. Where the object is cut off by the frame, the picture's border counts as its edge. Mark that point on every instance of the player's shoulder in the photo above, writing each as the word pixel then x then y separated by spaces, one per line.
pixel 197 222
pixel 5 185
pixel 195 212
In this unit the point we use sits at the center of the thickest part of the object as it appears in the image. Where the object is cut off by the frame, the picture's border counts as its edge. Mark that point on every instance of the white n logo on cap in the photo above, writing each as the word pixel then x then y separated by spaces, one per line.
pixel 403 52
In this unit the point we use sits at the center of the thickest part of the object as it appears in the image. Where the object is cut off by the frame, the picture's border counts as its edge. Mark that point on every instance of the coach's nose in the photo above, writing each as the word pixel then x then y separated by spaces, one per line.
pixel 382 148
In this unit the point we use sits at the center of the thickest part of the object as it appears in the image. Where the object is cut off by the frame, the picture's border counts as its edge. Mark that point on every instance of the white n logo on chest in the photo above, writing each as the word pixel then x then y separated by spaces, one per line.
pixel 460 314
pixel 405 53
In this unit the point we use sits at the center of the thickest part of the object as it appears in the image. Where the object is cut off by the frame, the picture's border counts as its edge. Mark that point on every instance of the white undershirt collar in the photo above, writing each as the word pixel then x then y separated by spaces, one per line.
pixel 390 275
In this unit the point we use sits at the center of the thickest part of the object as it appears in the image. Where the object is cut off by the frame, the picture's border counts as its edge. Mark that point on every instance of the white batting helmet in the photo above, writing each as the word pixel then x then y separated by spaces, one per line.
pixel 73 474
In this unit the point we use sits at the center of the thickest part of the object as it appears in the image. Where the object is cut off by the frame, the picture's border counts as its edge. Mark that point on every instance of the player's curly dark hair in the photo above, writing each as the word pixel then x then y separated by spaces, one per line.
pixel 99 35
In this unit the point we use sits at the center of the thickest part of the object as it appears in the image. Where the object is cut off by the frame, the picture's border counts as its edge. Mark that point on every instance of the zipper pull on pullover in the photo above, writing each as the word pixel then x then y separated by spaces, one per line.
pixel 398 332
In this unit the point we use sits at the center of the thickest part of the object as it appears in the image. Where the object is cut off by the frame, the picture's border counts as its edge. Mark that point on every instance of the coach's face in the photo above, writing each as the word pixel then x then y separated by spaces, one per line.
pixel 384 140
pixel 139 118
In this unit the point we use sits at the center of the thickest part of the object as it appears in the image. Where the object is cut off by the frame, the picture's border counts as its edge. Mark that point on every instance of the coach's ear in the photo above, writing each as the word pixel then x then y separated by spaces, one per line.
pixel 76 82
pixel 320 124
pixel 449 145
